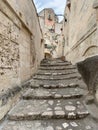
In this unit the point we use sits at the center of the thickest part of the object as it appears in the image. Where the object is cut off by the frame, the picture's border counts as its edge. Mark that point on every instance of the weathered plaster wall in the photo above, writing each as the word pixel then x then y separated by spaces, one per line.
pixel 21 46
pixel 80 30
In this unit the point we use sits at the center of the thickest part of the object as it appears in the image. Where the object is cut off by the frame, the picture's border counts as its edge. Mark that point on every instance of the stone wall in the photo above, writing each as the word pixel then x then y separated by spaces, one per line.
pixel 80 30
pixel 81 41
pixel 21 45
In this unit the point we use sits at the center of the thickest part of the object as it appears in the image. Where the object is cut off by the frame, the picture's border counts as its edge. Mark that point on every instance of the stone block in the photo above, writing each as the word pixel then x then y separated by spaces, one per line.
pixel 89 71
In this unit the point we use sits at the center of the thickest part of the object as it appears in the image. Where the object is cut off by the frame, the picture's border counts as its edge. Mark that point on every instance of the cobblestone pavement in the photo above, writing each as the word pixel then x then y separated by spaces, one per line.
pixel 54 101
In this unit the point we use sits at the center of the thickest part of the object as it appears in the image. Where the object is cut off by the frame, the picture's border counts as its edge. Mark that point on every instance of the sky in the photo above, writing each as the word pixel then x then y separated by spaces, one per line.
pixel 57 5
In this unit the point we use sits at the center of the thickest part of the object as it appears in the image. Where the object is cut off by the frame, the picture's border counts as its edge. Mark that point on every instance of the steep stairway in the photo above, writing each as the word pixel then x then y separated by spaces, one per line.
pixel 54 101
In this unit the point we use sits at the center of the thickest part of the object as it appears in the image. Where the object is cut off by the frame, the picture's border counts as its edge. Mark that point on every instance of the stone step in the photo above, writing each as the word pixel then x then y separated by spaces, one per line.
pixel 58 68
pixel 53 62
pixel 67 77
pixel 65 93
pixel 58 71
pixel 56 64
pixel 53 86
pixel 55 73
pixel 57 77
pixel 48 109
pixel 84 124
pixel 56 82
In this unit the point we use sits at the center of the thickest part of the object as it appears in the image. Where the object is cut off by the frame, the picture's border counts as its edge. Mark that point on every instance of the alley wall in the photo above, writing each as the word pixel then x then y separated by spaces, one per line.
pixel 21 45
pixel 80 30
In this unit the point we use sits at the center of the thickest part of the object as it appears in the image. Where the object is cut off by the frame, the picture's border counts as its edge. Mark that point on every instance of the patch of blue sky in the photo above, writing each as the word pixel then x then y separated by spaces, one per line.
pixel 57 5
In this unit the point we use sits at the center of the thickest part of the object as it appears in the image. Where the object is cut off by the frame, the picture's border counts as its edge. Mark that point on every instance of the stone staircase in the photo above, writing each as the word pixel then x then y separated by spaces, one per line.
pixel 54 101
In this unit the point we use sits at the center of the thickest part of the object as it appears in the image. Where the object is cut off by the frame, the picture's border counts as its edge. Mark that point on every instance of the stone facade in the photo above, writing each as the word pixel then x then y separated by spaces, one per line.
pixel 51 28
pixel 80 30
pixel 21 45
pixel 81 37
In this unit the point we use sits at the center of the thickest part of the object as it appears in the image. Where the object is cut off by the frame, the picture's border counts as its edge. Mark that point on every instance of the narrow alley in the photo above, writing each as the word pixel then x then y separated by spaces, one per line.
pixel 48 65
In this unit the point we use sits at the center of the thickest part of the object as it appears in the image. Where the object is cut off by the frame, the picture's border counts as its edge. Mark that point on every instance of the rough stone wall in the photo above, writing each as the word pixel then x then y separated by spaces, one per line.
pixel 80 30
pixel 20 39
pixel 21 46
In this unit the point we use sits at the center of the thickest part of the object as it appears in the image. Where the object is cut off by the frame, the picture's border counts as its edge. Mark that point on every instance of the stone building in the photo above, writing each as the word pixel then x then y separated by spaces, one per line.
pixel 80 30
pixel 81 39
pixel 21 46
pixel 51 28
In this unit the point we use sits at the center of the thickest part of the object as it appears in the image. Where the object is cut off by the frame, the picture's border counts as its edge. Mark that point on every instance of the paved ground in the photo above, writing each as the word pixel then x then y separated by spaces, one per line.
pixel 54 101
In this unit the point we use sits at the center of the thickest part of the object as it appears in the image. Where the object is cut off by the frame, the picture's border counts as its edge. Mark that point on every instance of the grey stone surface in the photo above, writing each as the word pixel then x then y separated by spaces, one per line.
pixel 89 99
pixel 85 124
pixel 56 64
pixel 57 71
pixel 53 86
pixel 93 110
pixel 52 105
pixel 65 93
pixel 89 71
pixel 58 67
pixel 38 109
pixel 55 76
pixel 57 82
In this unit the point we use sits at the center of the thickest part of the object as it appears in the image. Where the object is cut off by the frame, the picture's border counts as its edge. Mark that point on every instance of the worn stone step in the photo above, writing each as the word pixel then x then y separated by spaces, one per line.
pixel 58 71
pixel 56 82
pixel 65 93
pixel 55 73
pixel 58 68
pixel 56 64
pixel 67 77
pixel 53 86
pixel 84 124
pixel 48 109
pixel 53 62
pixel 56 77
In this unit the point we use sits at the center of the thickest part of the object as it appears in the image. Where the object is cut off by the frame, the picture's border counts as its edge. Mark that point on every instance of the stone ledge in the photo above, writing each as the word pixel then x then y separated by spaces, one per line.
pixel 89 71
